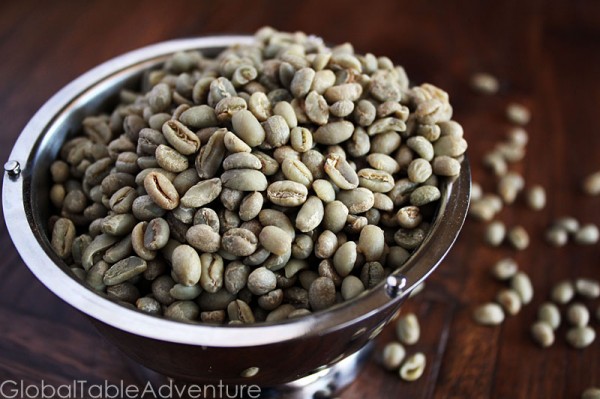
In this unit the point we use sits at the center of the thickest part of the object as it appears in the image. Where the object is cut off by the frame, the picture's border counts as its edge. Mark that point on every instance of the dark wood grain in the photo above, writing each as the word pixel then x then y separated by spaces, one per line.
pixel 547 56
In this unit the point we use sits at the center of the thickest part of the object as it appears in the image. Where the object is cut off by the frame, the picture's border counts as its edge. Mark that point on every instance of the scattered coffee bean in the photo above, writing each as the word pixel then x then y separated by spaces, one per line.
pixel 581 337
pixel 413 367
pixel 489 314
pixel 408 330
pixel 542 333
pixel 393 355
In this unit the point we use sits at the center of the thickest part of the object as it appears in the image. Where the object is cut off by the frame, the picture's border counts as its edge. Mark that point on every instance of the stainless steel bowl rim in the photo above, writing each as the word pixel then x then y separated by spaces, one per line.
pixel 23 234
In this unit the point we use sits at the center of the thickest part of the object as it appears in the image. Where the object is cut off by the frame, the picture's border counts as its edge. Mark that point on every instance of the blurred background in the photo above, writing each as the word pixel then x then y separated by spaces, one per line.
pixel 546 56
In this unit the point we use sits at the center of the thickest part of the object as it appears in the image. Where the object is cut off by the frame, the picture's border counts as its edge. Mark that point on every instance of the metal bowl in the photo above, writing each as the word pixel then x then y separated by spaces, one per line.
pixel 282 352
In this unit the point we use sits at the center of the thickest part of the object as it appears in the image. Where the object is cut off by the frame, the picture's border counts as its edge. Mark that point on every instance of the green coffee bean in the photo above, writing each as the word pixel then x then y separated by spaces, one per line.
pixel 521 283
pixel 118 224
pixel 393 355
pixel 124 293
pixel 180 137
pixel 202 193
pixel 244 180
pixel 333 133
pixel 347 91
pixel 275 240
pixel 518 114
pixel 341 108
pixel 310 215
pixel 247 127
pixel 581 337
pixel 211 156
pixel 239 310
pixel 562 292
pixel 228 106
pixel 424 195
pixel 95 275
pixel 358 200
pixel 161 190
pixel 122 200
pixel 74 201
pixel 148 305
pixel 186 265
pixel 408 330
pixel 495 233
pixel 260 106
pixel 326 245
pixel 444 165
pixel 335 216
pixel 549 313
pixel 419 170
pixel 556 236
pixel 182 311
pixel 542 333
pixel 489 314
pixel 271 300
pixel 241 160
pixel 239 242
pixel 211 276
pixel 79 245
pixel 171 160
pixel 484 83
pixel 586 235
pixel 57 195
pixel 316 108
pixel 124 270
pixel 409 217
pixel 98 245
pixel 287 193
pixel 375 180
pixel 413 367
pixel 314 161
pixel 144 208
pixel 397 257
pixel 585 287
pixel 518 237
pixel 323 79
pixel 185 293
pixel 321 294
pixel 351 287
pixel 578 315
pixel 234 144
pixel 510 301
pixel 277 131
pixel 345 258
pixel 295 170
pixel 63 235
pixel 383 87
pixel 280 313
pixel 156 234
pixel 119 251
pixel 261 281
pixel 383 162
pixel 536 197
pixel 371 242
pixel 236 277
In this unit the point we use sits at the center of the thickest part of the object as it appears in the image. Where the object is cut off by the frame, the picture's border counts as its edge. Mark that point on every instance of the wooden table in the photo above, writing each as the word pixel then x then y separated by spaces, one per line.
pixel 547 57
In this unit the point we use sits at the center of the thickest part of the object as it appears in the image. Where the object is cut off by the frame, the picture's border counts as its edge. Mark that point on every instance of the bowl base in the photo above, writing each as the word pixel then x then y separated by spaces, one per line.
pixel 320 385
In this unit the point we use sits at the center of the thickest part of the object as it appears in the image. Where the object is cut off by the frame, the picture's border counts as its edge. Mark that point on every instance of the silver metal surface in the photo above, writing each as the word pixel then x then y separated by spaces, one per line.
pixel 394 285
pixel 12 168
pixel 190 351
